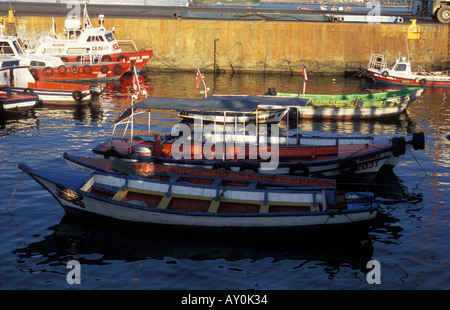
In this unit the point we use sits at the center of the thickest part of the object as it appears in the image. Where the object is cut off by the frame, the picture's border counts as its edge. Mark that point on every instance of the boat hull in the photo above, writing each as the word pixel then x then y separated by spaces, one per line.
pixel 414 80
pixel 74 200
pixel 342 162
pixel 16 103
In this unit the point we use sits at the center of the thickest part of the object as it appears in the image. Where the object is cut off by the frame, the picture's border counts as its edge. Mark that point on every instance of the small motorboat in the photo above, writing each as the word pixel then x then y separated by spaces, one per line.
pixel 196 200
pixel 340 158
pixel 48 92
pixel 13 101
pixel 401 73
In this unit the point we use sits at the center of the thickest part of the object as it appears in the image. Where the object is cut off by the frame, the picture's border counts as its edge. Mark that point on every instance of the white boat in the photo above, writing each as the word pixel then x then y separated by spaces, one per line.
pixel 401 73
pixel 84 41
pixel 195 200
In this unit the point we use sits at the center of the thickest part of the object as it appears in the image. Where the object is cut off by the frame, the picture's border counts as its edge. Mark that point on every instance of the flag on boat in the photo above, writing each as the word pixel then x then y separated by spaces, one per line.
pixel 304 72
pixel 198 78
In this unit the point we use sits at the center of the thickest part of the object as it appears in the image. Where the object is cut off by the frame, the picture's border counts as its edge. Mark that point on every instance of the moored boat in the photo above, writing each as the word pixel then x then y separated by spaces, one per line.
pixel 199 201
pixel 82 40
pixel 401 73
pixel 270 153
pixel 13 101
pixel 356 106
pixel 48 92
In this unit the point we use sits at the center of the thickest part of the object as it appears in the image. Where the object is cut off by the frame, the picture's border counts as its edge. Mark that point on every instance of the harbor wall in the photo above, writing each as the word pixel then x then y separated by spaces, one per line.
pixel 264 46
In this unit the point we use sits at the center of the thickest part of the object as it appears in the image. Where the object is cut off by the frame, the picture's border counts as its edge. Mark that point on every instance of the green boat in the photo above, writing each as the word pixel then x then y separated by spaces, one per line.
pixel 226 2
pixel 356 106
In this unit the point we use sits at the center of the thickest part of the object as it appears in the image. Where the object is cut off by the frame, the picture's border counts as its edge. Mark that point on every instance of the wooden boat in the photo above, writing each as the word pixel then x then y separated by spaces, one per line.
pixel 296 156
pixel 356 106
pixel 194 200
pixel 14 101
pixel 400 73
pixel 48 92
pixel 48 68
pixel 82 40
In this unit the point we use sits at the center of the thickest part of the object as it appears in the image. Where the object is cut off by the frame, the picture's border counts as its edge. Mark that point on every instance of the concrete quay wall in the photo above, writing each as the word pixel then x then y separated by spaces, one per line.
pixel 264 46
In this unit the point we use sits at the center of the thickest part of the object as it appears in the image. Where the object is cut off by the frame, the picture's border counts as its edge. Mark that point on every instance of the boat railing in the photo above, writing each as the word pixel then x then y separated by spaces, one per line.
pixel 127 43
pixel 377 61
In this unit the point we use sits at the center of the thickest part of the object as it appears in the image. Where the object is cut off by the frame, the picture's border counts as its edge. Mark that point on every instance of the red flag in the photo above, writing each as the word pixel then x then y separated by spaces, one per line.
pixel 198 78
pixel 304 73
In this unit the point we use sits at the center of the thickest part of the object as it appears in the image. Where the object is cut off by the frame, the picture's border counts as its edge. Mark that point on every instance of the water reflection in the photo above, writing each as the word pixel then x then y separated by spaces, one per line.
pixel 81 237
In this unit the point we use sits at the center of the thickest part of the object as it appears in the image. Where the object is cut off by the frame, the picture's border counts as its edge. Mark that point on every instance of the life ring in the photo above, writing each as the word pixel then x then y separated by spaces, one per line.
pixel 385 73
pixel 117 70
pixel 48 71
pixel 64 59
pixel 299 170
pixel 347 166
pixel 74 69
pixel 248 168
pixel 122 58
pixel 398 146
pixel 423 82
pixel 87 69
pixel 78 58
pixel 221 167
pixel 418 140
pixel 62 69
pixel 34 73
pixel 104 69
pixel 106 58
pixel 77 95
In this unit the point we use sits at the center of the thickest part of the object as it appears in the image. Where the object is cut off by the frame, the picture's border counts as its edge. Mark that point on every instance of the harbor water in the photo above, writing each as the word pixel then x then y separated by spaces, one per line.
pixel 409 238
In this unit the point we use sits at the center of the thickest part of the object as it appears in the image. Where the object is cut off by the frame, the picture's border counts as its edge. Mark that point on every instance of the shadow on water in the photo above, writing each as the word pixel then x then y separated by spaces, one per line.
pixel 76 236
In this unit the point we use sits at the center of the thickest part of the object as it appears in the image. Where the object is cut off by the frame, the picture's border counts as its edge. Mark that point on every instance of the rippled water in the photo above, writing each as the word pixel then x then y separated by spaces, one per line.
pixel 409 239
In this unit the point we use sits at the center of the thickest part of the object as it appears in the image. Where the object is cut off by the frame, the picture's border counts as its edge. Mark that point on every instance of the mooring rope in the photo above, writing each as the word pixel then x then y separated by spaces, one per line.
pixel 17 185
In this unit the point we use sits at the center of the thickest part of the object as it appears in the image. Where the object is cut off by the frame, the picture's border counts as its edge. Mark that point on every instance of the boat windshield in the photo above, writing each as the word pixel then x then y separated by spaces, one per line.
pixel 10 49
pixel 110 37
pixel 400 67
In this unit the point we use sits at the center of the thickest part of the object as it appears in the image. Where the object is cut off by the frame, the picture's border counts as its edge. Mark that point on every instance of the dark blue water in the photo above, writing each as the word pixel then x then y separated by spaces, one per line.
pixel 409 239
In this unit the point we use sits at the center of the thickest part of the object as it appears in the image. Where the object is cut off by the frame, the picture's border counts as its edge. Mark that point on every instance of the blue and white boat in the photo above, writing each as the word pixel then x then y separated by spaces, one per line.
pixel 201 198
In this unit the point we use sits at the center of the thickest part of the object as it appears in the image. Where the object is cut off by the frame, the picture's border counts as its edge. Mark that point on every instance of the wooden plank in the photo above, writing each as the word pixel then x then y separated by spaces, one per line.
pixel 120 195
pixel 164 202
pixel 214 206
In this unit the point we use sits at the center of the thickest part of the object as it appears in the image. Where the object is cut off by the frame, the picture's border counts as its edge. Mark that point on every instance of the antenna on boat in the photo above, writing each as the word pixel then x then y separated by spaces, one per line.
pixel 407 49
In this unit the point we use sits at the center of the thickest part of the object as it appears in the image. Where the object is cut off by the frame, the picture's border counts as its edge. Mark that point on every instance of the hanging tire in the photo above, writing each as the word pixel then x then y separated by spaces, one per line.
pixel 104 69
pixel 221 167
pixel 122 58
pixel 106 58
pixel 348 166
pixel 77 95
pixel 48 71
pixel 74 69
pixel 117 70
pixel 395 150
pixel 64 59
pixel 248 168
pixel 299 170
pixel 401 145
pixel 385 73
pixel 87 69
pixel 78 58
pixel 28 91
pixel 418 140
pixel 34 73
pixel 62 69
pixel 423 82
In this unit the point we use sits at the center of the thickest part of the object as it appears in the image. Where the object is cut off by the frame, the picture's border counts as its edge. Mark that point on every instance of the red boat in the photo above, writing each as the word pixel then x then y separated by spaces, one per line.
pixel 84 41
pixel 400 73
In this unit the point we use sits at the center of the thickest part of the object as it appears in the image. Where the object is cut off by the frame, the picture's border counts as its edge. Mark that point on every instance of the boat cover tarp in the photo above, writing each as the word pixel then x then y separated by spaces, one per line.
pixel 240 104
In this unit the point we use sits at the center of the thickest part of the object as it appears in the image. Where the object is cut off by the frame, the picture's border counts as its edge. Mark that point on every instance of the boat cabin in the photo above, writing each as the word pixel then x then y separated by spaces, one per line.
pixel 81 40
pixel 401 65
